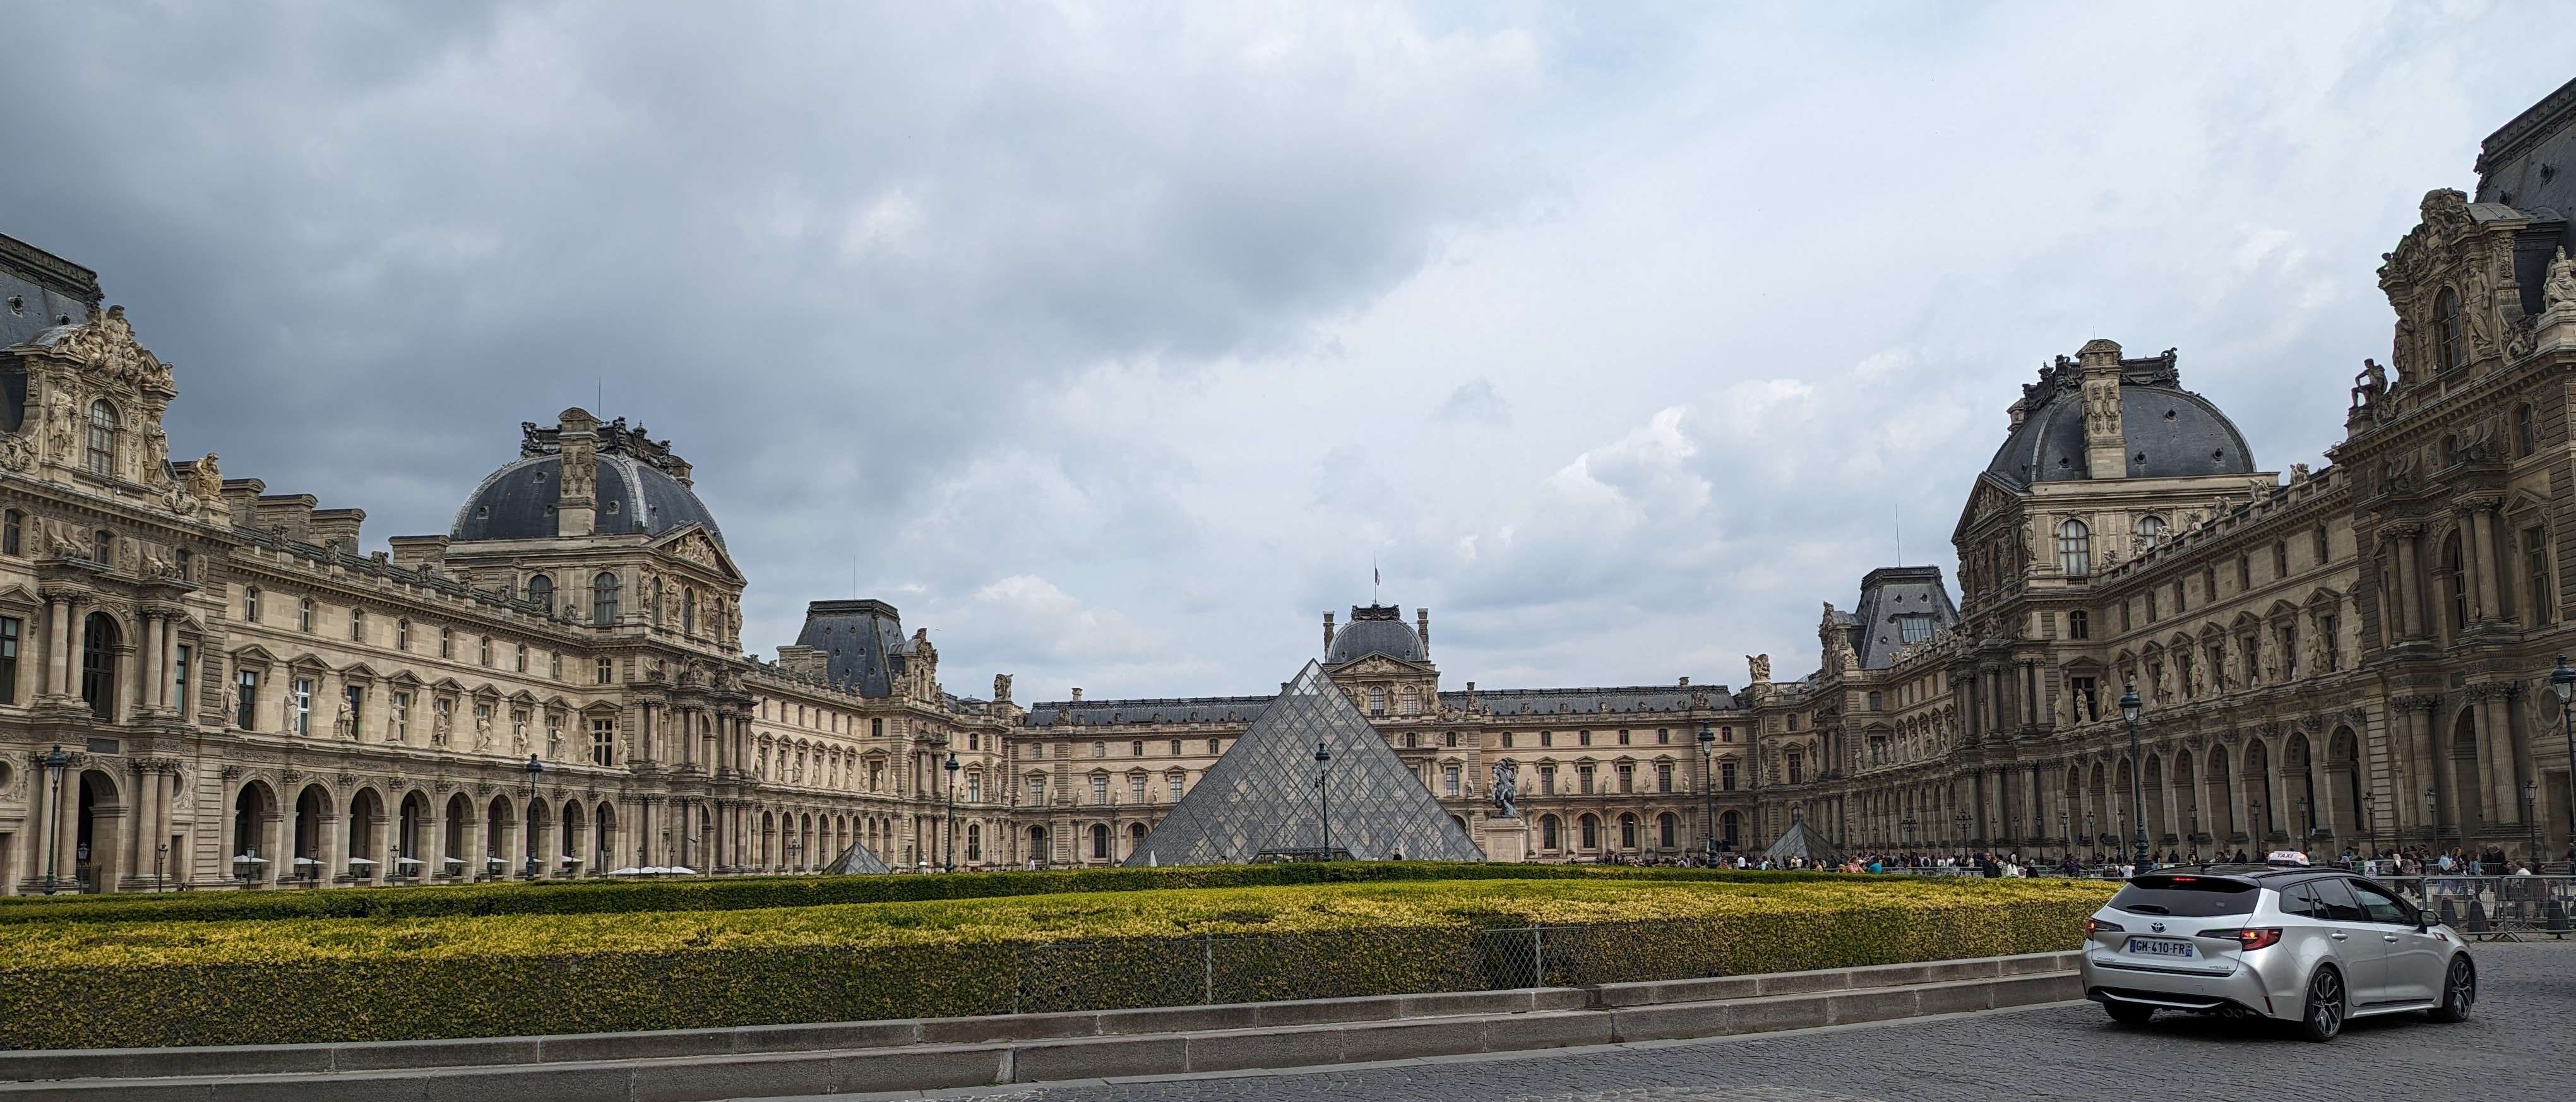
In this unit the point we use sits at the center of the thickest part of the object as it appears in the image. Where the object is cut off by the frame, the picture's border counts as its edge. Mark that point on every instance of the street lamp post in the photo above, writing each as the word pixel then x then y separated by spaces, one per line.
pixel 2062 825
pixel 2092 836
pixel 2370 818
pixel 2563 682
pixel 535 767
pixel 55 762
pixel 1324 796
pixel 2137 777
pixel 2433 816
pixel 2531 817
pixel 1908 824
pixel 1962 819
pixel 1708 791
pixel 949 863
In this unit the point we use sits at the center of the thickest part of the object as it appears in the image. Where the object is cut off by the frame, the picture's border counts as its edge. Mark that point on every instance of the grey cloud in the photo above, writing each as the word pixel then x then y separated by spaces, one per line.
pixel 1476 402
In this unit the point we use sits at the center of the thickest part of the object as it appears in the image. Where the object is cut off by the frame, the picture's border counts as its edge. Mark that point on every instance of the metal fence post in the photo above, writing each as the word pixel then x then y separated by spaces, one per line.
pixel 1538 956
pixel 1207 969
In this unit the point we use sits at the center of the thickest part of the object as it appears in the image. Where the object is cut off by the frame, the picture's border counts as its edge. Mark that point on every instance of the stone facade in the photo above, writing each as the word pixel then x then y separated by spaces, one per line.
pixel 206 684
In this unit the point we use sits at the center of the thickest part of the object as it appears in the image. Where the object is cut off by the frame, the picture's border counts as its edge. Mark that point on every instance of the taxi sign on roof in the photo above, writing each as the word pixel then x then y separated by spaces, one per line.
pixel 2287 857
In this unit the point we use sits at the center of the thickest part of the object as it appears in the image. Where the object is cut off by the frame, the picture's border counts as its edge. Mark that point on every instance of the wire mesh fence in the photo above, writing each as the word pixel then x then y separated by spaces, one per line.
pixel 2494 906
pixel 1209 969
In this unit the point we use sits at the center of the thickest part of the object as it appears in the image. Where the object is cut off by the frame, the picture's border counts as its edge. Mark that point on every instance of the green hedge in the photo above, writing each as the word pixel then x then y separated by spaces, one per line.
pixel 127 984
pixel 748 893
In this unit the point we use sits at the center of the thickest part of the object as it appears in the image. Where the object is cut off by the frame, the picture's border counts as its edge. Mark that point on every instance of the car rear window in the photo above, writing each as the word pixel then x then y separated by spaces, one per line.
pixel 2186 896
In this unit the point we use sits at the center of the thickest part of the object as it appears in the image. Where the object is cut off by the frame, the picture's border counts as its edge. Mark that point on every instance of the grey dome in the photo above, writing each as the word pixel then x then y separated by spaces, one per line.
pixel 1376 629
pixel 517 502
pixel 2171 432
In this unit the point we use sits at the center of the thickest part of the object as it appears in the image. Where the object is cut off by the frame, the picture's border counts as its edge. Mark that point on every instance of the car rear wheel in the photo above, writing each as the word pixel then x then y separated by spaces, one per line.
pixel 2322 1017
pixel 2129 1013
pixel 2459 991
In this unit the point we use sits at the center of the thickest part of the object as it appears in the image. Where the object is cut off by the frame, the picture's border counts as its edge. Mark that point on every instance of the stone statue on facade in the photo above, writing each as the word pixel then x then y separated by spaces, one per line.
pixel 228 699
pixel 1506 793
pixel 2558 290
pixel 518 737
pixel 441 722
pixel 66 426
pixel 1759 665
pixel 346 724
pixel 206 481
pixel 2370 386
pixel 482 732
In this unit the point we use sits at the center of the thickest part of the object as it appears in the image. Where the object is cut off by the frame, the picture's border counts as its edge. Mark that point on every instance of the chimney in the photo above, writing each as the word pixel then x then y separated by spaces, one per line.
pixel 1328 631
pixel 1077 694
pixel 1686 683
pixel 1422 627
pixel 338 528
pixel 576 490
pixel 804 661
pixel 289 515
pixel 2106 447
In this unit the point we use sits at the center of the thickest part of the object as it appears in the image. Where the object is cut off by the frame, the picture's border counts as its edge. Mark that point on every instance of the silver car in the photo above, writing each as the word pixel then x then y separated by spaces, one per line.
pixel 2292 944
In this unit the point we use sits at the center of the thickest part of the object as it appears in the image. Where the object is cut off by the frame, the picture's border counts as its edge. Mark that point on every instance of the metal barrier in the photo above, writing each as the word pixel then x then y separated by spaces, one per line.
pixel 2502 908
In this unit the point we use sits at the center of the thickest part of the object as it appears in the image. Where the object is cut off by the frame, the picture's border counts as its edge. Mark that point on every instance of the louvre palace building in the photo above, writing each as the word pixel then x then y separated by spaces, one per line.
pixel 210 683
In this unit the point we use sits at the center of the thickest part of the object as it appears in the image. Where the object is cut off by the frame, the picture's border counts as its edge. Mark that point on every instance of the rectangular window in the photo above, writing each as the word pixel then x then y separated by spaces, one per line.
pixel 1547 779
pixel 357 625
pixel 603 741
pixel 521 660
pixel 402 717
pixel 2125 623
pixel 9 630
pixel 1583 779
pixel 447 642
pixel 1663 776
pixel 2325 550
pixel 299 703
pixel 2289 653
pixel 1726 775
pixel 1037 790
pixel 2151 606
pixel 1173 782
pixel 2244 573
pixel 2217 656
pixel 1136 788
pixel 975 789
pixel 1875 701
pixel 1449 780
pixel 1627 777
pixel 187 661
pixel 2088 706
pixel 356 695
pixel 246 700
pixel 1100 790
pixel 554 737
pixel 2253 660
pixel 2535 552
pixel 2184 668
pixel 606 671
pixel 2329 642
pixel 1507 740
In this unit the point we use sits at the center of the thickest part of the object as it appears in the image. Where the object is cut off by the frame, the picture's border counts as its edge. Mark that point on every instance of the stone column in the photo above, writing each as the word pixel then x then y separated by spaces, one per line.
pixel 379 843
pixel 478 841
pixel 2495 749
pixel 2409 581
pixel 148 701
pixel 276 845
pixel 58 649
pixel 433 847
pixel 2482 526
pixel 66 816
pixel 334 851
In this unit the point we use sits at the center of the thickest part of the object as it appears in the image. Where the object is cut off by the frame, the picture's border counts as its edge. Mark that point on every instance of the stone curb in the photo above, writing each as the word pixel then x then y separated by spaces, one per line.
pixel 708 1064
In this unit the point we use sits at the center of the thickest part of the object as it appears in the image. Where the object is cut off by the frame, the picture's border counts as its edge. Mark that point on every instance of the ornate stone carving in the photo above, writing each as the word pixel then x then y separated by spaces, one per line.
pixel 2558 290
pixel 1759 667
pixel 105 345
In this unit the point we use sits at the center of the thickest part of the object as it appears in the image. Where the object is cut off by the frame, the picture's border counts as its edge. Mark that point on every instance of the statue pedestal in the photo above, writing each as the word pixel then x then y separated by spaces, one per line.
pixel 1506 840
pixel 2555 328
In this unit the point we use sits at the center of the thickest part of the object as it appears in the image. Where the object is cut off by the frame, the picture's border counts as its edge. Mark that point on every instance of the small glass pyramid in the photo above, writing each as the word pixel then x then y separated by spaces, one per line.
pixel 855 861
pixel 1260 801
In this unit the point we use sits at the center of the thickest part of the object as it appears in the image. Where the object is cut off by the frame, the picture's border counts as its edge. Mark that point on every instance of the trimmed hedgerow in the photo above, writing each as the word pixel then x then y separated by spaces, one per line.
pixel 751 893
pixel 286 981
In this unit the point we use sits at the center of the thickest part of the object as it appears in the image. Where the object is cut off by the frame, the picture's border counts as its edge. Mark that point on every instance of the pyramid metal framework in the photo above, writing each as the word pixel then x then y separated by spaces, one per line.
pixel 1802 841
pixel 855 861
pixel 1261 794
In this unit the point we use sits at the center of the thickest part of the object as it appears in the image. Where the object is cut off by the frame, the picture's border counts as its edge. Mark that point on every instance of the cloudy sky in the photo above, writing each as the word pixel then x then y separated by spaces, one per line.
pixel 1113 343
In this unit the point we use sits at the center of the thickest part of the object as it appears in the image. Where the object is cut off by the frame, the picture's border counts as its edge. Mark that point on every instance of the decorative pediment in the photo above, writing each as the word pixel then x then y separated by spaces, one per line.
pixel 252 655
pixel 105 348
pixel 691 543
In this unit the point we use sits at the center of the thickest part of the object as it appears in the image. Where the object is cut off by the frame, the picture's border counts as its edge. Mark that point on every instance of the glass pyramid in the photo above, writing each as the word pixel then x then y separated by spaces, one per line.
pixel 1259 801
pixel 855 861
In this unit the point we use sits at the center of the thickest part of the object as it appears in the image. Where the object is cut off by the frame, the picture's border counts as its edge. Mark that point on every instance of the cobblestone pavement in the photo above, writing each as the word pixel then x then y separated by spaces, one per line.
pixel 2517 1045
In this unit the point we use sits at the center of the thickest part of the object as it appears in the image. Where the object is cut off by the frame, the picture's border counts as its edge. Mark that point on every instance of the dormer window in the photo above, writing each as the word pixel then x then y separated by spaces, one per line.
pixel 103 426
pixel 2450 338
pixel 2151 530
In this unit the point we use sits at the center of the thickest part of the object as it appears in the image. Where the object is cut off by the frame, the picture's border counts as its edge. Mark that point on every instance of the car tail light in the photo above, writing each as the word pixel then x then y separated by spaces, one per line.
pixel 2249 938
pixel 2094 926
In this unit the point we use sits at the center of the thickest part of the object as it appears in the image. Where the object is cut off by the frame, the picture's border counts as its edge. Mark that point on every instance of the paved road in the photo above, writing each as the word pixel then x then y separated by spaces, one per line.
pixel 2517 1045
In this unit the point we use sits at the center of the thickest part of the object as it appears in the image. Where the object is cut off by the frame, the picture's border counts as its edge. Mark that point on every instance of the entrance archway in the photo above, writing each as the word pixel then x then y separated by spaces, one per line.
pixel 98 834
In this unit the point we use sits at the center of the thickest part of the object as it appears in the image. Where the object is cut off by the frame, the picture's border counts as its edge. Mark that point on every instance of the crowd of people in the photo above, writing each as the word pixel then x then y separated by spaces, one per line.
pixel 2408 861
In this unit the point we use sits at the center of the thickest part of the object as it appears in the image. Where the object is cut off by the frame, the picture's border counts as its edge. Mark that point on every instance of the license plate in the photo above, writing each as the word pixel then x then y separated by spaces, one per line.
pixel 2159 947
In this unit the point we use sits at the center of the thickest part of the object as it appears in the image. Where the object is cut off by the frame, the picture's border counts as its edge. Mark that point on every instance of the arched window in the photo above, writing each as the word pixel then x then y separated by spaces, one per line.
pixel 1627 832
pixel 653 600
pixel 2450 338
pixel 541 590
pixel 603 599
pixel 98 665
pixel 402 634
pixel 688 610
pixel 2151 529
pixel 2074 549
pixel 1100 841
pixel 974 841
pixel 250 604
pixel 304 614
pixel 357 625
pixel 102 438
pixel 1377 700
pixel 1591 830
pixel 13 525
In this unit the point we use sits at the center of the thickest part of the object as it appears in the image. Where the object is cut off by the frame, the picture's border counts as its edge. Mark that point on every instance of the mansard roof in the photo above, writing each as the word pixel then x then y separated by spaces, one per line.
pixel 2171 432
